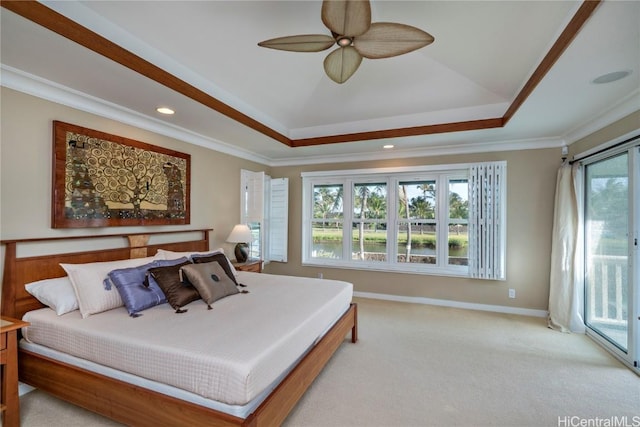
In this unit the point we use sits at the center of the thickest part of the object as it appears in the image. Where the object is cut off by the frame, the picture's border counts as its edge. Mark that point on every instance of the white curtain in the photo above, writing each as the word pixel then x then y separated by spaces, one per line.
pixel 566 282
pixel 487 220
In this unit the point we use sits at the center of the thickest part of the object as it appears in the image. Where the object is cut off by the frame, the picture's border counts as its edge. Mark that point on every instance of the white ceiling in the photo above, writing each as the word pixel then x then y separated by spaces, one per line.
pixel 484 53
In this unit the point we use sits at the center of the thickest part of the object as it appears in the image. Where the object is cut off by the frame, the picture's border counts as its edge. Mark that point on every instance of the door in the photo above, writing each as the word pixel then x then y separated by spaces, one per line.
pixel 610 238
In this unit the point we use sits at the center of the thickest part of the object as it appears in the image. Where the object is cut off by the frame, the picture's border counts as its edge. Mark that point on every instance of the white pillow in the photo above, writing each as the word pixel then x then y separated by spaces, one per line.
pixel 164 254
pixel 58 294
pixel 88 283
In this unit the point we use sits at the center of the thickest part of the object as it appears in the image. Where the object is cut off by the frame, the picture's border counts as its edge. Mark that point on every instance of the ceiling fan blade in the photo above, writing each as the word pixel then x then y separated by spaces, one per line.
pixel 386 39
pixel 302 43
pixel 342 63
pixel 347 17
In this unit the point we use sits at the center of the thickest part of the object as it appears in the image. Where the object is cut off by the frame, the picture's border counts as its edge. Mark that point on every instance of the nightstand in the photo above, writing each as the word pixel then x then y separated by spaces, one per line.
pixel 253 265
pixel 9 399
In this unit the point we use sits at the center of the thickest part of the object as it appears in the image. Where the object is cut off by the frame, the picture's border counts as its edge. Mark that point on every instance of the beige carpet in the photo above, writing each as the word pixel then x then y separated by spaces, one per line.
pixel 419 365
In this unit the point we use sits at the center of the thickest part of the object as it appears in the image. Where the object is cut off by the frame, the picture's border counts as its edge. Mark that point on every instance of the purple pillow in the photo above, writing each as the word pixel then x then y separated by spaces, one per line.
pixel 132 288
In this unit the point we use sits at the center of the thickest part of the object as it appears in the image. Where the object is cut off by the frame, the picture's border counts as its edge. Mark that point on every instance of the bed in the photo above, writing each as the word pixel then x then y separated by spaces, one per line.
pixel 263 394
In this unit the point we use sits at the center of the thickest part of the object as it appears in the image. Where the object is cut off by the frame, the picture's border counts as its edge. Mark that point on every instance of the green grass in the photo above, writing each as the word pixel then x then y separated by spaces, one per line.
pixel 427 240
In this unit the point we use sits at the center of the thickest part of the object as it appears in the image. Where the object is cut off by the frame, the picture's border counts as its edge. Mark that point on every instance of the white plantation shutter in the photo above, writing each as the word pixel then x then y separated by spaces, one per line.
pixel 265 201
pixel 487 220
pixel 278 219
pixel 252 202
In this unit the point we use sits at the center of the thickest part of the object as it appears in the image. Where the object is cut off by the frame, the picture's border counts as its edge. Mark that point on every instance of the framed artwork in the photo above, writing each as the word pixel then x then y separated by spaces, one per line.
pixel 103 180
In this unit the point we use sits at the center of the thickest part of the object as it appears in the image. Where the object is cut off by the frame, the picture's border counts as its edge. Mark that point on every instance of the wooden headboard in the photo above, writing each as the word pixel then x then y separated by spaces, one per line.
pixel 18 271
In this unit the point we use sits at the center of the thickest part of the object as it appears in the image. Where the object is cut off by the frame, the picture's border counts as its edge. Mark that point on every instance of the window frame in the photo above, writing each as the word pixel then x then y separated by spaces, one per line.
pixel 442 174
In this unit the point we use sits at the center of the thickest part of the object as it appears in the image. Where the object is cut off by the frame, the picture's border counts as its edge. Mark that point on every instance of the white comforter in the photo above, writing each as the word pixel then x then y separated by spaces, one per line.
pixel 228 354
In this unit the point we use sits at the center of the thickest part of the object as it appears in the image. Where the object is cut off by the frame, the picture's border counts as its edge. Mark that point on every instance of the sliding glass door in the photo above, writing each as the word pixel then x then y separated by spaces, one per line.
pixel 610 237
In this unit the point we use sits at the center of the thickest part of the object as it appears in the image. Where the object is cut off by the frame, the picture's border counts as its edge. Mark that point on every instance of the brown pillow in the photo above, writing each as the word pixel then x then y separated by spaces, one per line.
pixel 221 259
pixel 178 293
pixel 210 280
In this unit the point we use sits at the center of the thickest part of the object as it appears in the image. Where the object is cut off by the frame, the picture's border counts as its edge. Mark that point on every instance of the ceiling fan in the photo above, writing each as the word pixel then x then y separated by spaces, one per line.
pixel 356 37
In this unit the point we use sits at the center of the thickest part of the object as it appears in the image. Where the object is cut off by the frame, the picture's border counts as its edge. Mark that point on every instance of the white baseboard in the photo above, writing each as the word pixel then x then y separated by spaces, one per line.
pixel 455 304
pixel 24 388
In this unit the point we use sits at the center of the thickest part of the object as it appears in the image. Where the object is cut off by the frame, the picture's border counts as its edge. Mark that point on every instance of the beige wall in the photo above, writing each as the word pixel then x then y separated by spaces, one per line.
pixel 25 172
pixel 25 188
pixel 621 127
pixel 530 191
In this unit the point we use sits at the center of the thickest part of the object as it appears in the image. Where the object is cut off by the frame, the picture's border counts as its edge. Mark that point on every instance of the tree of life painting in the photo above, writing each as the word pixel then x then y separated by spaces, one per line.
pixel 108 180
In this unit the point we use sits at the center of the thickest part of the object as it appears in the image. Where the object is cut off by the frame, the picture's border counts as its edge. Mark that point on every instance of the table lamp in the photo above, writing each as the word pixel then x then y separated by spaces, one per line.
pixel 241 234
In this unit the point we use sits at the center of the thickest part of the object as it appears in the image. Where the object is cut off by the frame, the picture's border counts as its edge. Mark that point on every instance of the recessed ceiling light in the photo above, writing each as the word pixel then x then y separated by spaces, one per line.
pixel 611 77
pixel 165 110
pixel 388 146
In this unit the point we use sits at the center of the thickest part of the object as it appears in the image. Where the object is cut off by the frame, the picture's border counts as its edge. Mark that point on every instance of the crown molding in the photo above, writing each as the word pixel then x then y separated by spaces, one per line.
pixel 48 18
pixel 626 106
pixel 32 85
pixel 435 150
pixel 45 89
pixel 395 123
pixel 98 24
pixel 27 83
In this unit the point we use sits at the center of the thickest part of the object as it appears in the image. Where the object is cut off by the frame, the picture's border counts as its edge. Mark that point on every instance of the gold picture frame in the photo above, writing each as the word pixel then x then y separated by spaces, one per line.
pixel 104 180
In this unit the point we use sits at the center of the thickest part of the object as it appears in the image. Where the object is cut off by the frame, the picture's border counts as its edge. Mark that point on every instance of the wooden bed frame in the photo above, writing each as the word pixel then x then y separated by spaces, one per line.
pixel 123 402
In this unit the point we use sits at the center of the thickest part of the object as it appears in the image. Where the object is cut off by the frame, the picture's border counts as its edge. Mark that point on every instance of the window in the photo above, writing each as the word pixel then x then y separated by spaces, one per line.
pixel 458 224
pixel 606 213
pixel 369 221
pixel 264 208
pixel 610 258
pixel 416 221
pixel 327 221
pixel 400 219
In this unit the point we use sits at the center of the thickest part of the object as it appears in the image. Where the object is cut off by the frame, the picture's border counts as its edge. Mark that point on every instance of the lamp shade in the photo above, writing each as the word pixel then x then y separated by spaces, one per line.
pixel 240 234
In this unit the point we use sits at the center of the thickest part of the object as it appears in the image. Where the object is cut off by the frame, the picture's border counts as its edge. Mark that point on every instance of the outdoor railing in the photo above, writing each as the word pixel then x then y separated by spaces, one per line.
pixel 608 297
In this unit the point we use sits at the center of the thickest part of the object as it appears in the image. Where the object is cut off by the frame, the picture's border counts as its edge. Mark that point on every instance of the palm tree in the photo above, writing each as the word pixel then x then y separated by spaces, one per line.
pixel 363 192
pixel 610 204
pixel 323 204
pixel 377 208
pixel 458 208
pixel 336 207
pixel 327 203
pixel 422 208
pixel 429 194
pixel 404 209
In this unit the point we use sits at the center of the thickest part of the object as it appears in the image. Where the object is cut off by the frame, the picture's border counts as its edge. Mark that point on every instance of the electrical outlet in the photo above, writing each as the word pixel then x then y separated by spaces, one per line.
pixel 512 293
